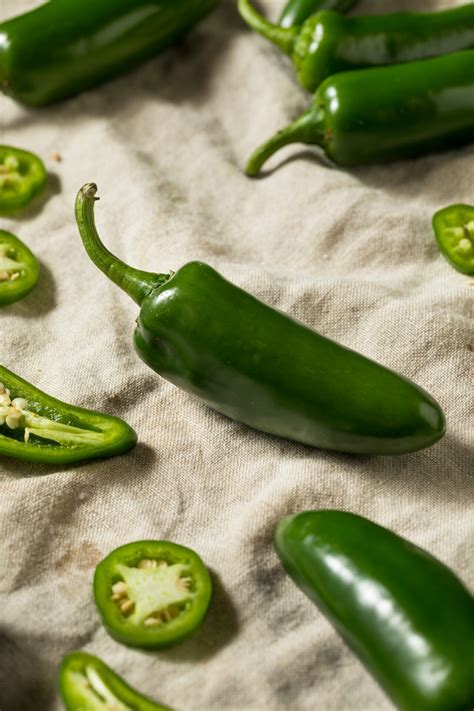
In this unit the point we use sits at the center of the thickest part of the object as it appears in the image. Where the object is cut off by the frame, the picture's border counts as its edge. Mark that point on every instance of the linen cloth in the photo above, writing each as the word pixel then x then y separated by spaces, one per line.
pixel 351 253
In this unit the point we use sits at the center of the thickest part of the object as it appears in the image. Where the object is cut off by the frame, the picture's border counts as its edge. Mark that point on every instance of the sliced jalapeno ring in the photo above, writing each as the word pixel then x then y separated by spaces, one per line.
pixel 19 269
pixel 151 594
pixel 454 230
pixel 87 684
pixel 39 428
pixel 22 177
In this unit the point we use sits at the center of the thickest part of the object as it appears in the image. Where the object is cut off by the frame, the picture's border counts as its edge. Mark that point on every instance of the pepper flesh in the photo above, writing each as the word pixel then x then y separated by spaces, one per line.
pixel 39 428
pixel 87 684
pixel 454 230
pixel 297 11
pixel 385 114
pixel 19 269
pixel 261 367
pixel 151 594
pixel 329 43
pixel 22 177
pixel 406 615
pixel 64 47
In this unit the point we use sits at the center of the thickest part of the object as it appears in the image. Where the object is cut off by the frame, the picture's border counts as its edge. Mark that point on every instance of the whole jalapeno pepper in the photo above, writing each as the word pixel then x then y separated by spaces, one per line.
pixel 297 11
pixel 387 113
pixel 408 618
pixel 87 684
pixel 454 231
pixel 39 428
pixel 261 367
pixel 64 47
pixel 19 269
pixel 329 43
pixel 152 594
pixel 22 177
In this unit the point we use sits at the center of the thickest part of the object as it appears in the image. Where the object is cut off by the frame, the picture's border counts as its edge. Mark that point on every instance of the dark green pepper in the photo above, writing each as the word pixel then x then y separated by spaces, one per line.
pixel 297 11
pixel 406 615
pixel 454 230
pixel 152 594
pixel 64 47
pixel 329 43
pixel 38 428
pixel 87 684
pixel 22 177
pixel 19 269
pixel 261 367
pixel 387 113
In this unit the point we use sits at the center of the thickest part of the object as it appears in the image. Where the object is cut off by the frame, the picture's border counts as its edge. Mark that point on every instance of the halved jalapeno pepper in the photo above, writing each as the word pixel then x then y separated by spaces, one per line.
pixel 19 269
pixel 22 177
pixel 87 684
pixel 152 594
pixel 39 428
pixel 454 230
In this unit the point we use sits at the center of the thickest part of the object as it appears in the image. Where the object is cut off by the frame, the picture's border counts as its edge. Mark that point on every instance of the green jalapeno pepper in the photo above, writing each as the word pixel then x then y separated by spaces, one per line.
pixel 406 615
pixel 297 11
pixel 19 269
pixel 454 230
pixel 38 428
pixel 261 367
pixel 64 47
pixel 22 177
pixel 152 594
pixel 329 43
pixel 87 684
pixel 387 113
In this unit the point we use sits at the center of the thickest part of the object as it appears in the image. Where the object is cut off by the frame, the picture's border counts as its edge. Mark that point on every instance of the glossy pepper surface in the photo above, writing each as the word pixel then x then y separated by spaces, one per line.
pixel 405 614
pixel 39 428
pixel 64 47
pixel 297 11
pixel 261 367
pixel 87 684
pixel 152 594
pixel 19 269
pixel 387 113
pixel 454 231
pixel 329 43
pixel 22 177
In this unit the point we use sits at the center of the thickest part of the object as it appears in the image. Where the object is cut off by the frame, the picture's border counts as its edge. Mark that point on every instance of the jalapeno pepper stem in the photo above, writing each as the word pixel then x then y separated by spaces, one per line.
pixel 308 128
pixel 136 283
pixel 281 36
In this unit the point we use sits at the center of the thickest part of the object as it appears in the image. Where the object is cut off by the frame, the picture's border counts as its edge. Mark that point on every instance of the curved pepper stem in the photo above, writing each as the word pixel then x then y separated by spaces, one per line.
pixel 281 36
pixel 308 128
pixel 136 283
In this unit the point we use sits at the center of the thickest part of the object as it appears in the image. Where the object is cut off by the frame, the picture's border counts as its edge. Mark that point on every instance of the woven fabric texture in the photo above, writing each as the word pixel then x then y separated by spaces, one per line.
pixel 351 253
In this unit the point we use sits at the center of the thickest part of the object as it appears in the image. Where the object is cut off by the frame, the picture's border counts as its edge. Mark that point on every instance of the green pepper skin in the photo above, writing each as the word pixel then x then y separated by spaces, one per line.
pixel 12 250
pixel 78 694
pixel 135 633
pixel 329 43
pixel 406 615
pixel 64 47
pixel 118 437
pixel 385 114
pixel 297 11
pixel 261 367
pixel 454 231
pixel 22 177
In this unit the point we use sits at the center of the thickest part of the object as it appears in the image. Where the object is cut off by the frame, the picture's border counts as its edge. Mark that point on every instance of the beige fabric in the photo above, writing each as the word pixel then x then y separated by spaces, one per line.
pixel 350 253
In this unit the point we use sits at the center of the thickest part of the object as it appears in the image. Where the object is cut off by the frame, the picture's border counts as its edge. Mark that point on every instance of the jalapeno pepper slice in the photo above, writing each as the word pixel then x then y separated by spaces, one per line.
pixel 152 594
pixel 87 684
pixel 22 177
pixel 454 230
pixel 40 428
pixel 19 269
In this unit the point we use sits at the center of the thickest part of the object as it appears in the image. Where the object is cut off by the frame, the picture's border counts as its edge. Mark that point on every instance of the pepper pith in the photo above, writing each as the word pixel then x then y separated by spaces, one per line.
pixel 454 230
pixel 22 177
pixel 261 367
pixel 19 269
